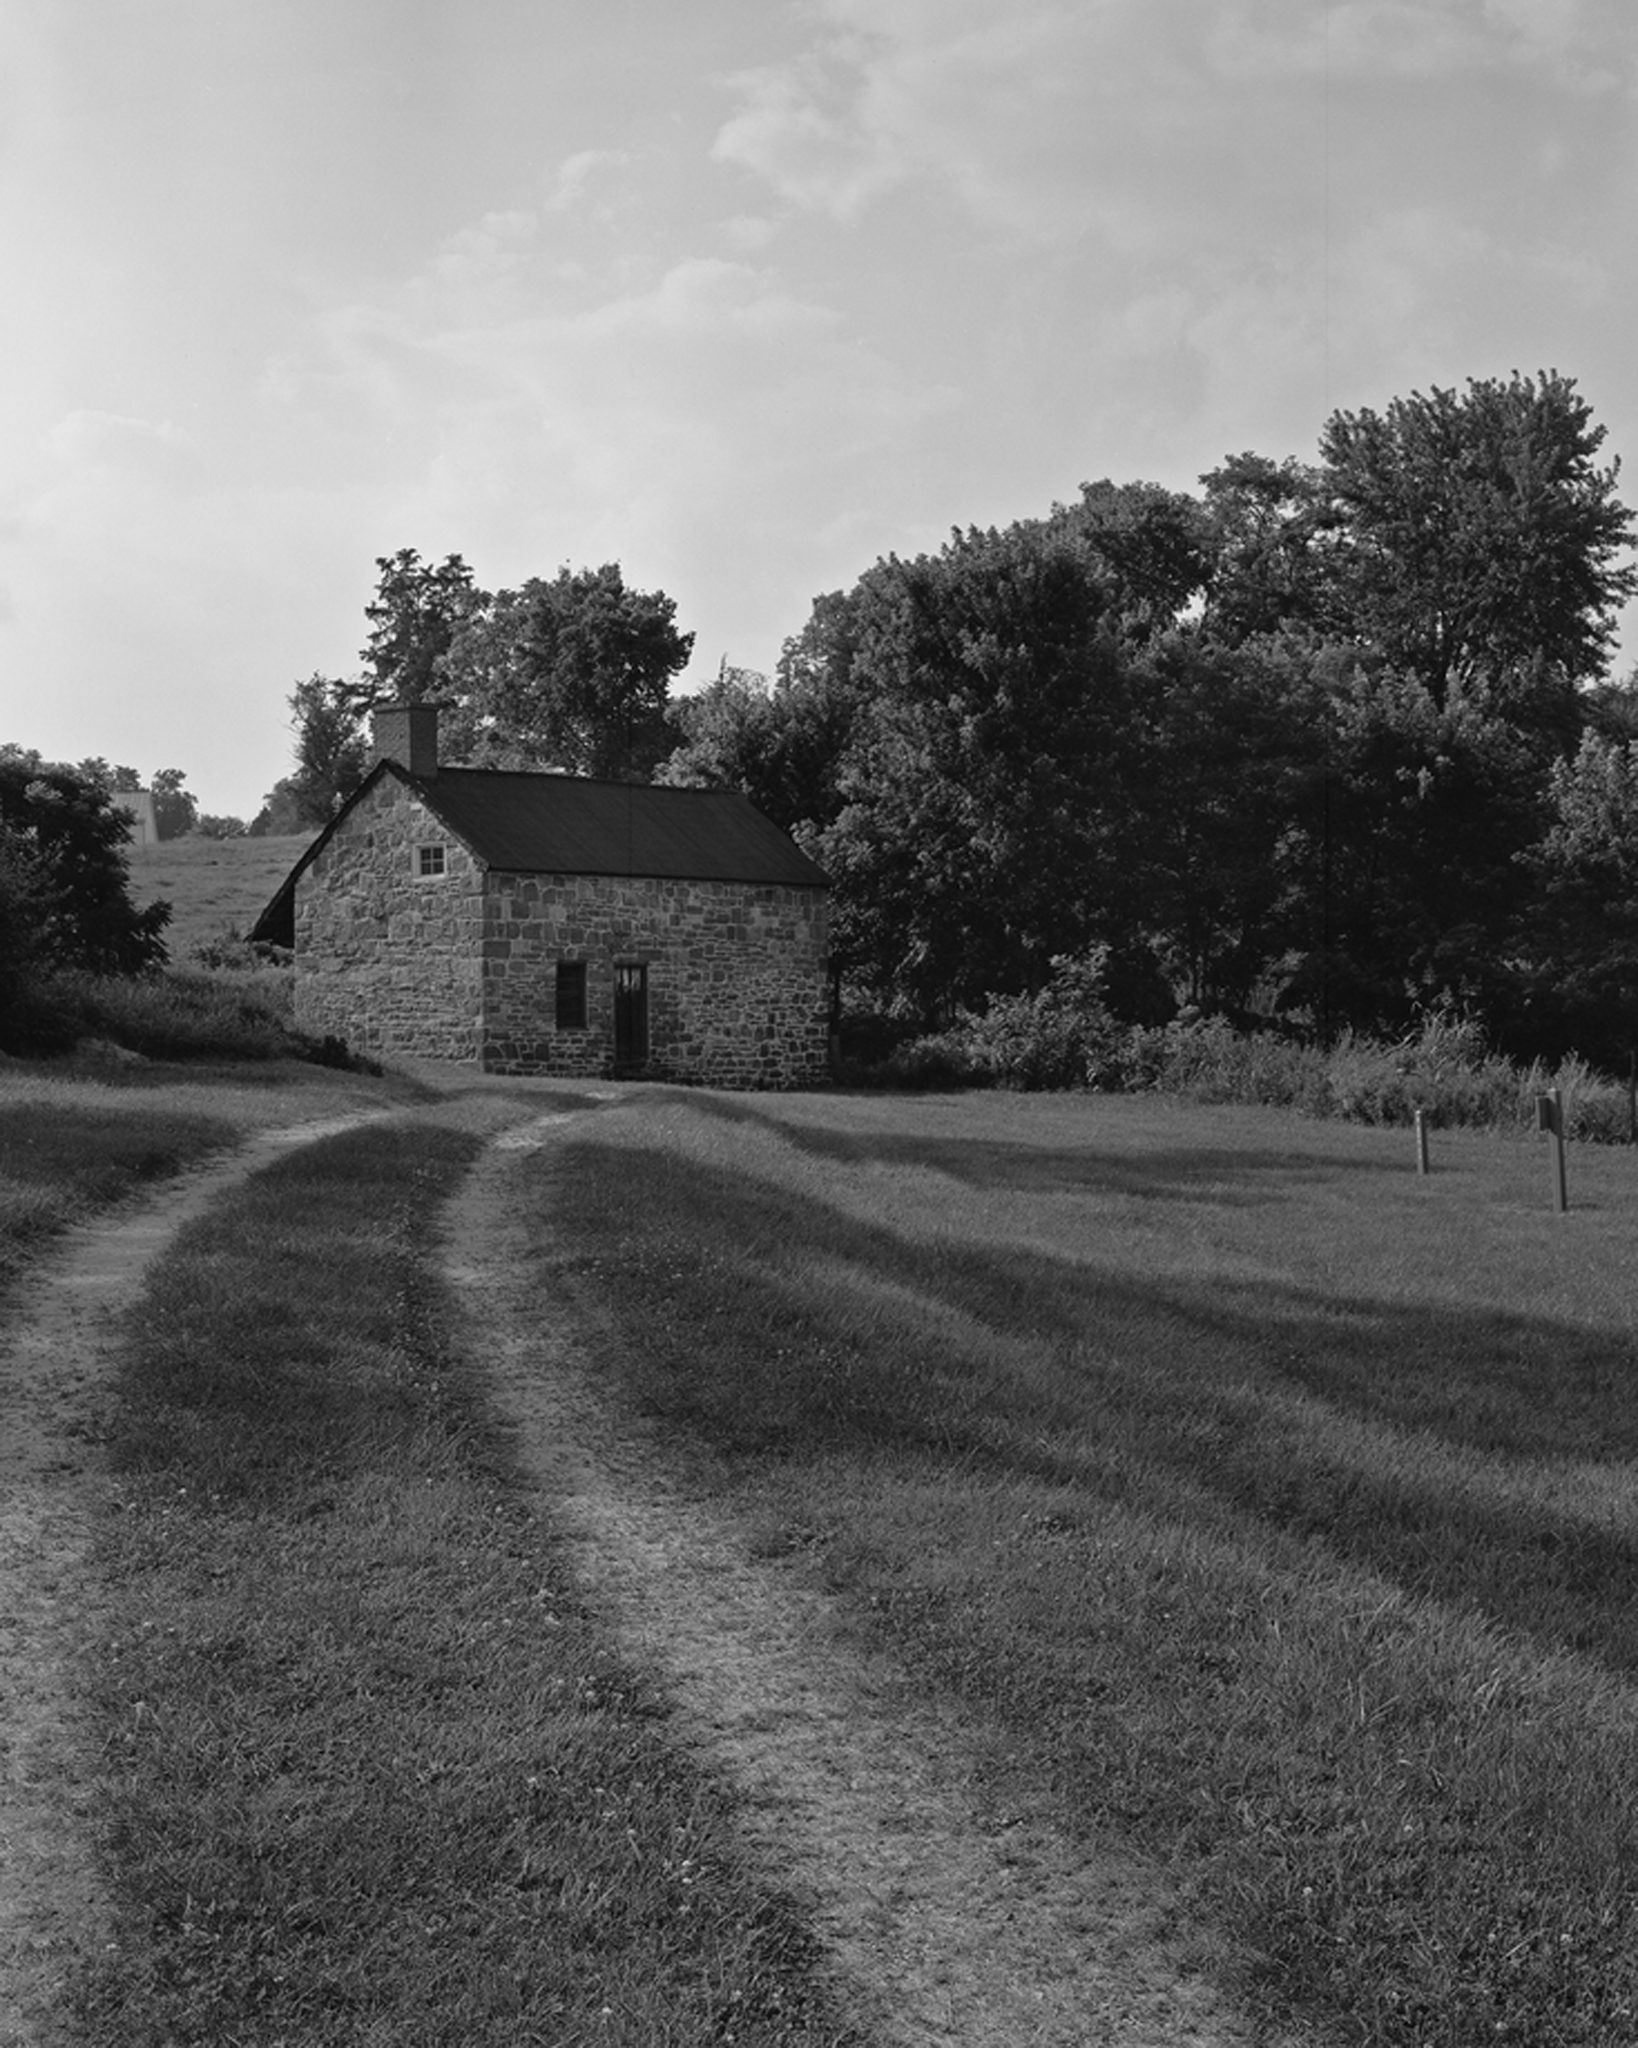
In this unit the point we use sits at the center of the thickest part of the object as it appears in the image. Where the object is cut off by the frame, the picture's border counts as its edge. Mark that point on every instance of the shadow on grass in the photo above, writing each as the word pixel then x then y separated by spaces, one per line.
pixel 385 1779
pixel 265 1403
pixel 777 1326
pixel 1226 1175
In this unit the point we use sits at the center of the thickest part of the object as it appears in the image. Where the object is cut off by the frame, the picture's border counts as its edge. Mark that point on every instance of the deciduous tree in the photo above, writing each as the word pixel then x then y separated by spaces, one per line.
pixel 326 715
pixel 68 840
pixel 571 673
pixel 1479 536
pixel 984 788
pixel 417 610
pixel 1584 930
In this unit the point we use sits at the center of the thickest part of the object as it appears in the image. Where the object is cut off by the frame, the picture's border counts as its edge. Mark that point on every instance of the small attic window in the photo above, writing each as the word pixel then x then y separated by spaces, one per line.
pixel 430 860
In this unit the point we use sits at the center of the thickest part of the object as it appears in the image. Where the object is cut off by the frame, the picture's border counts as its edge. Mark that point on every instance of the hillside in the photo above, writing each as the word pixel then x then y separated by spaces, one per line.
pixel 214 886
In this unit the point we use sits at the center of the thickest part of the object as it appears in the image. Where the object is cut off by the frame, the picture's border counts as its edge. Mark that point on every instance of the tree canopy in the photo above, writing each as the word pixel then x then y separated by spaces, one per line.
pixel 64 857
pixel 571 672
pixel 1289 747
pixel 1478 539
pixel 1329 741
pixel 415 614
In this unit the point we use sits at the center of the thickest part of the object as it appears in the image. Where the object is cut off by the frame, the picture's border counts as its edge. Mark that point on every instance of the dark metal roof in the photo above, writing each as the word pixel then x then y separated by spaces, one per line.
pixel 562 824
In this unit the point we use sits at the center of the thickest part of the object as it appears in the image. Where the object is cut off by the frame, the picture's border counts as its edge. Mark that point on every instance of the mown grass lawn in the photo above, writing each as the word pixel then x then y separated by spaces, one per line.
pixel 76 1138
pixel 371 1773
pixel 1277 1504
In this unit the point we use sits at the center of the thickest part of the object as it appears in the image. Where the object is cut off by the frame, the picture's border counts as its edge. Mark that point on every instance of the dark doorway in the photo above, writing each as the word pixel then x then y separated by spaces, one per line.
pixel 630 1016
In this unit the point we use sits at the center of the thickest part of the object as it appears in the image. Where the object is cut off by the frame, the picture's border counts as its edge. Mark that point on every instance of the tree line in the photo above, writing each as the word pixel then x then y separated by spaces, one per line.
pixel 1330 743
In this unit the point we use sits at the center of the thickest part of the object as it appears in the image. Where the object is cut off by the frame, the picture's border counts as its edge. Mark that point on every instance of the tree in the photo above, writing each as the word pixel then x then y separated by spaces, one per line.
pixel 1233 734
pixel 1152 547
pixel 1270 526
pixel 176 808
pixel 983 789
pixel 1584 935
pixel 332 753
pixel 782 744
pixel 571 674
pixel 1406 852
pixel 28 906
pixel 726 735
pixel 67 841
pixel 281 815
pixel 417 610
pixel 1480 539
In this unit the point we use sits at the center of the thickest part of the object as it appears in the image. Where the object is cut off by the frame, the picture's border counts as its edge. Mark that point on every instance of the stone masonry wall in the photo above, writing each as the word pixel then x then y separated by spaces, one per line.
pixel 387 959
pixel 737 976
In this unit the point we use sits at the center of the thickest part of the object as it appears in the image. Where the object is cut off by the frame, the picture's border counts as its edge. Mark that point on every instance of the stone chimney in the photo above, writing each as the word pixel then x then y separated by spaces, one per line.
pixel 407 734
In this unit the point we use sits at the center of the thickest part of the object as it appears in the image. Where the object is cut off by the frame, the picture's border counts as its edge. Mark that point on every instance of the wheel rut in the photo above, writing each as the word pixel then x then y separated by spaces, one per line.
pixel 949 1925
pixel 57 1356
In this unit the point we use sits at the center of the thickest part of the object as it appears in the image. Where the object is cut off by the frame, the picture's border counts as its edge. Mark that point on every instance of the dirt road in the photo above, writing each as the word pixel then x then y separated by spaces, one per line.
pixel 56 1365
pixel 949 1923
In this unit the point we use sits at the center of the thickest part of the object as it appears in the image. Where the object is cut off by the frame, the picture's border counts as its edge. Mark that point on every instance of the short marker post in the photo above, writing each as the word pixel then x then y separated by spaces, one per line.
pixel 1550 1118
pixel 1421 1141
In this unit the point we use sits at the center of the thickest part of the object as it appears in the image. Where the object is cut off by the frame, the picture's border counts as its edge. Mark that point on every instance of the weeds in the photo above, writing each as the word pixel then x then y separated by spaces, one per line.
pixel 1064 1038
pixel 172 1015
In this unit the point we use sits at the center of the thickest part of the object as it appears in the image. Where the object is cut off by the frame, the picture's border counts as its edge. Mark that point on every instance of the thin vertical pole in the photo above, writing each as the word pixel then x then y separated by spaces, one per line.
pixel 1561 1195
pixel 1421 1141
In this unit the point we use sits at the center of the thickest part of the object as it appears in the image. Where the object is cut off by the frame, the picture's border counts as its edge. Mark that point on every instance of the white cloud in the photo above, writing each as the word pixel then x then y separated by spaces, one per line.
pixel 748 232
pixel 86 435
pixel 797 130
pixel 1067 122
pixel 573 178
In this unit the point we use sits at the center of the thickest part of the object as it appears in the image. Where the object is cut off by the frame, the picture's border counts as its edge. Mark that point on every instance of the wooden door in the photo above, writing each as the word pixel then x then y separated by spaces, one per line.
pixel 630 1015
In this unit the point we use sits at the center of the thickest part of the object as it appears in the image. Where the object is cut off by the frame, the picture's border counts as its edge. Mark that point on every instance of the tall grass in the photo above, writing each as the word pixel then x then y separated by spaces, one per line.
pixel 373 1775
pixel 1444 1068
pixel 1275 1503
pixel 238 1013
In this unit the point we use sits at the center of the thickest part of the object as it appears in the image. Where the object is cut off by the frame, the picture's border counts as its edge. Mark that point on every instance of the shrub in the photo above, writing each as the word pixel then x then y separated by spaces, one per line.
pixel 1065 1038
pixel 228 951
pixel 73 838
pixel 1208 1060
pixel 173 1015
pixel 1061 1037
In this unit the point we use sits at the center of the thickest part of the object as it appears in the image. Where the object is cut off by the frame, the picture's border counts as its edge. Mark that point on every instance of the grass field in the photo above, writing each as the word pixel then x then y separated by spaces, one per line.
pixel 372 1774
pixel 1273 1506
pixel 75 1140
pixel 1276 1503
pixel 215 887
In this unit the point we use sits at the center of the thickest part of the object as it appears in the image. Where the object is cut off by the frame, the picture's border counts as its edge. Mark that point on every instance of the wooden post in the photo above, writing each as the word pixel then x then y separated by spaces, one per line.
pixel 1550 1118
pixel 1421 1141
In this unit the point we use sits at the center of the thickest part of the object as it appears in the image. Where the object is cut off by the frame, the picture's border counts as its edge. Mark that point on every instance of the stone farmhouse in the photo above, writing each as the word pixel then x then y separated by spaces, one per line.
pixel 546 924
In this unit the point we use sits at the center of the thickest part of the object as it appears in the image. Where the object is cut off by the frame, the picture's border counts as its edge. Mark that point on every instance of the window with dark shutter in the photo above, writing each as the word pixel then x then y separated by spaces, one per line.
pixel 571 995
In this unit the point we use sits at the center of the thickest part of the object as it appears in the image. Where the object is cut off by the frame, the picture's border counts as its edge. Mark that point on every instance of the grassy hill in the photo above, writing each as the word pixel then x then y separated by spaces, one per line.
pixel 214 886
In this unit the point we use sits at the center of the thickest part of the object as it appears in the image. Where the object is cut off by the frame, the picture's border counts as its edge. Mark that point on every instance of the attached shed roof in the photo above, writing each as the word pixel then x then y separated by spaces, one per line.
pixel 528 823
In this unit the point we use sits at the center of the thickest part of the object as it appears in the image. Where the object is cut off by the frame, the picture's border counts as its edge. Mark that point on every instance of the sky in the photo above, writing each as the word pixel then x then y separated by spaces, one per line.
pixel 742 294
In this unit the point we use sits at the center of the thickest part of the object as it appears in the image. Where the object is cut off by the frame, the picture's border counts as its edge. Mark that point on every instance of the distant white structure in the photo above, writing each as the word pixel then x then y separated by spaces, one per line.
pixel 144 821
